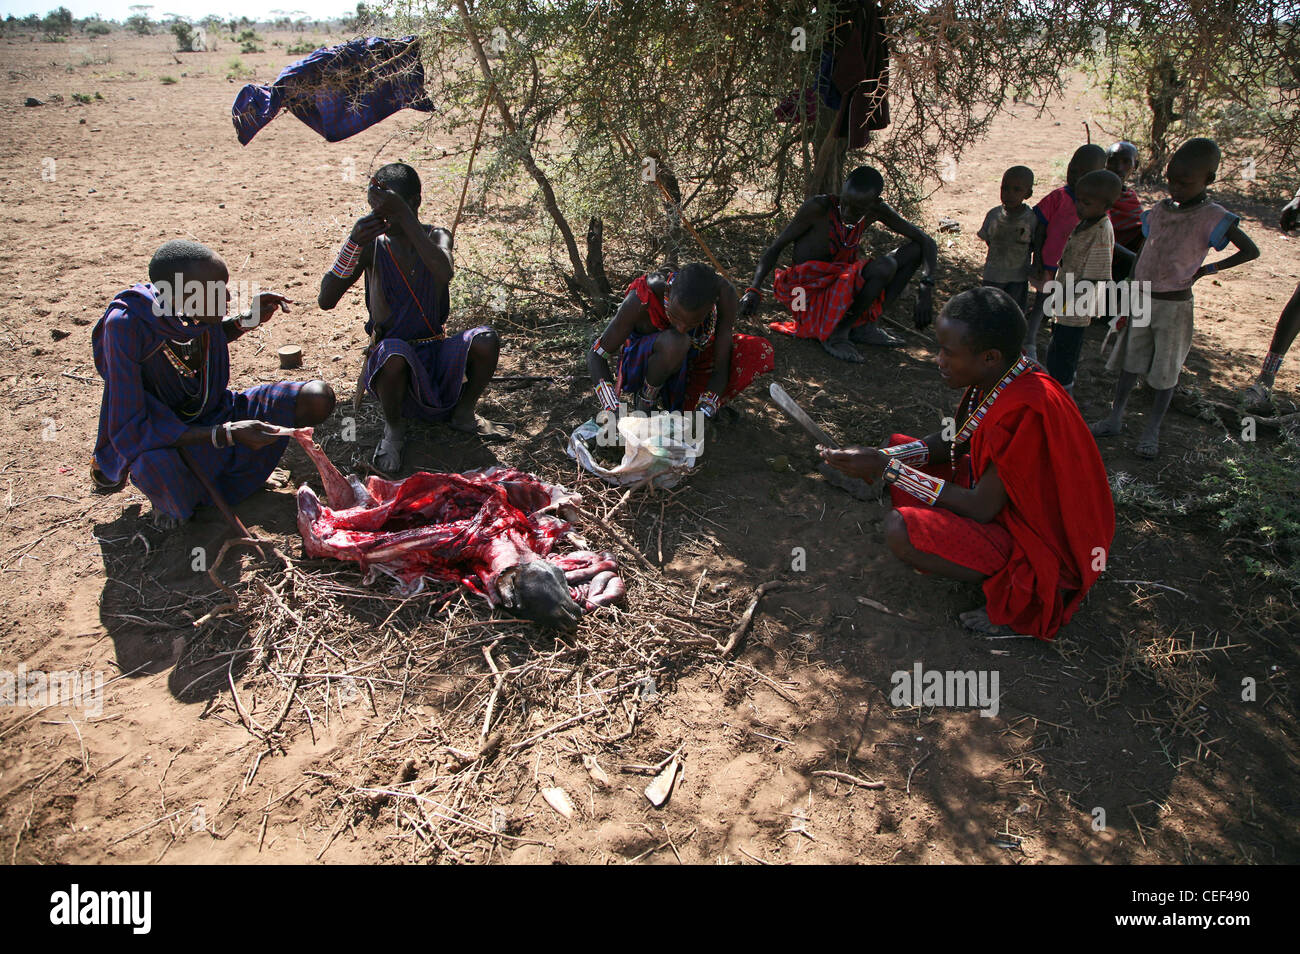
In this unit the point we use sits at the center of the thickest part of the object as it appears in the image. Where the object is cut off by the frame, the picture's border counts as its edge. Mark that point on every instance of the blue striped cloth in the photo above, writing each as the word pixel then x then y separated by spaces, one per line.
pixel 339 90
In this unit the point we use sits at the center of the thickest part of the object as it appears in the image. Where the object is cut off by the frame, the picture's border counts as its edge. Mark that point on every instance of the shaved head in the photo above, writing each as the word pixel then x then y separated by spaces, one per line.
pixel 695 286
pixel 1101 183
pixel 1197 155
pixel 864 179
pixel 179 257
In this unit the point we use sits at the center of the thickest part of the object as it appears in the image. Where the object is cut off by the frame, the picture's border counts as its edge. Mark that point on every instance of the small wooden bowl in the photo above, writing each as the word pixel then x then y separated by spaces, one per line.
pixel 290 357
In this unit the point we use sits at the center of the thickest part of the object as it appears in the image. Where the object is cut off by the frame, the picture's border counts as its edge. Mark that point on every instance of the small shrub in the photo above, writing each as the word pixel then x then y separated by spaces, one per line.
pixel 167 80
pixel 184 34
pixel 250 47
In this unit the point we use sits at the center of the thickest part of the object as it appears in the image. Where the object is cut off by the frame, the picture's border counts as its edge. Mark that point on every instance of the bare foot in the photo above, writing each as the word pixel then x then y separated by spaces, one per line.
pixel 1148 448
pixel 482 427
pixel 1109 427
pixel 163 521
pixel 837 346
pixel 388 453
pixel 977 621
pixel 873 334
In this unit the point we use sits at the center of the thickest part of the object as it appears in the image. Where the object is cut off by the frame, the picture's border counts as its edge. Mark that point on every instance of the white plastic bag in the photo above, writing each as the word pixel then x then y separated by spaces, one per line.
pixel 658 449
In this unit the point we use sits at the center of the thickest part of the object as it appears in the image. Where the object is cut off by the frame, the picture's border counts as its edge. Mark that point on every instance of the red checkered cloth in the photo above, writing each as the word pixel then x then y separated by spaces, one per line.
pixel 828 289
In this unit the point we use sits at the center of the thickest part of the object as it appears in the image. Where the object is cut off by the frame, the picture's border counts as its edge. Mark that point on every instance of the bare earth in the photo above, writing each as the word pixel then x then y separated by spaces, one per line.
pixel 1124 713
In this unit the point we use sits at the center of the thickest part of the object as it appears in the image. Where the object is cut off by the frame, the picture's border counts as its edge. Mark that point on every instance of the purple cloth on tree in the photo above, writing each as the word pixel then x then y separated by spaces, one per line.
pixel 339 90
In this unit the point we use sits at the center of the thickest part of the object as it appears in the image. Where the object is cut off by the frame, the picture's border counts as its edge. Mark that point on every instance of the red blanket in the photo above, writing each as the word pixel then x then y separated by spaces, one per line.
pixel 1059 509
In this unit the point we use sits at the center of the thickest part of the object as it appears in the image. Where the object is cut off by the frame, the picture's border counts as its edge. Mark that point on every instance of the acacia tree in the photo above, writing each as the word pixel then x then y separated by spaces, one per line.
pixel 635 116
pixel 1229 69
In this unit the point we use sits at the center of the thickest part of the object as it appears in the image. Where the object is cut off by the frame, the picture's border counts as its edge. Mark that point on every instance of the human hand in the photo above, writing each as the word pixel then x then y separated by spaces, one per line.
pixel 367 229
pixel 264 305
pixel 749 303
pixel 866 463
pixel 1290 214
pixel 923 311
pixel 254 434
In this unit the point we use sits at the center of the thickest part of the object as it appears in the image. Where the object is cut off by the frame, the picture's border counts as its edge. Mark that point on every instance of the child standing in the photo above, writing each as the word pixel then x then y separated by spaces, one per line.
pixel 1086 258
pixel 1126 213
pixel 1008 231
pixel 1179 231
pixel 1056 220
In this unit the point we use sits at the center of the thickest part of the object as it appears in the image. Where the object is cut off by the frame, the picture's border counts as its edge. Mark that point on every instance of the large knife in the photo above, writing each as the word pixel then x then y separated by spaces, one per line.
pixel 796 413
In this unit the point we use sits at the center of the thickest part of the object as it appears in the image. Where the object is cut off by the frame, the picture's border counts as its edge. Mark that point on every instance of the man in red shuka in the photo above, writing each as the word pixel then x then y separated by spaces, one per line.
pixel 833 293
pixel 1018 500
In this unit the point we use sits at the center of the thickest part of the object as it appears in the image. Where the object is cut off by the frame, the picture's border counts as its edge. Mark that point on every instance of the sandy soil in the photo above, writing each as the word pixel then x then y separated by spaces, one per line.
pixel 1091 721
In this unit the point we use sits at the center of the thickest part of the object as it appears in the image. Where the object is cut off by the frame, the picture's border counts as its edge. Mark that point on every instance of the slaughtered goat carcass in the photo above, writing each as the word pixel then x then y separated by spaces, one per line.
pixel 493 531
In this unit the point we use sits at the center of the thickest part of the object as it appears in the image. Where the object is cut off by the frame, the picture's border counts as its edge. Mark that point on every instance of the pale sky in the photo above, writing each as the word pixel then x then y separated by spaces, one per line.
pixel 194 9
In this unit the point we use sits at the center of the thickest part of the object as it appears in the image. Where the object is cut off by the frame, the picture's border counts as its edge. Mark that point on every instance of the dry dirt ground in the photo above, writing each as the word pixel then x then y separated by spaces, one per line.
pixel 1131 711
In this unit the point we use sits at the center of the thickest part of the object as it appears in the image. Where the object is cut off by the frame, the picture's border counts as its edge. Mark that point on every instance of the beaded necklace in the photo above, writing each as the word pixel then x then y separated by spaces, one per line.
pixel 976 415
pixel 193 401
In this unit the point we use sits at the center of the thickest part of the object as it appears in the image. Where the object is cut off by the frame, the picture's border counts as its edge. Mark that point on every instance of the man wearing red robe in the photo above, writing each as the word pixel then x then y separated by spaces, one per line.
pixel 1017 499
pixel 832 292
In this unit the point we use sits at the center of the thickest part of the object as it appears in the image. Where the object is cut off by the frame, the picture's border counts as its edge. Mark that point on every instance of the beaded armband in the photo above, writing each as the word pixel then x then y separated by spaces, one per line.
pixel 920 485
pixel 345 265
pixel 606 396
pixel 913 452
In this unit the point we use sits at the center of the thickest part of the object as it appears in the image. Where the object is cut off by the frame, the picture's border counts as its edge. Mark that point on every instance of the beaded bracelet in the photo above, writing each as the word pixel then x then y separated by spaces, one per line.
pixel 598 349
pixel 708 403
pixel 756 291
pixel 917 483
pixel 913 452
pixel 606 396
pixel 1272 363
pixel 346 263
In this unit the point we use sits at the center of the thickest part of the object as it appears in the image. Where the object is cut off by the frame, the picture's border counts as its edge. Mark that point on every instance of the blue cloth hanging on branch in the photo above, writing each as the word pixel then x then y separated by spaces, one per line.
pixel 339 90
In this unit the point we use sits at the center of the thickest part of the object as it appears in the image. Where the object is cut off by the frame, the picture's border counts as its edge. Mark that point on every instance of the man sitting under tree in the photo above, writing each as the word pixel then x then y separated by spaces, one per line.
pixel 833 294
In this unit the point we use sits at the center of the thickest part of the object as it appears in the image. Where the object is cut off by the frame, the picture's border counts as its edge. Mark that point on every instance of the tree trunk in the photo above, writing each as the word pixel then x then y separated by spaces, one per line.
pixel 580 277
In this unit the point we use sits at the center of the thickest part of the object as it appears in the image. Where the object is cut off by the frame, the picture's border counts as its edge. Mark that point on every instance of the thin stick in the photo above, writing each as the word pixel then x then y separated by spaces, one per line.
pixel 496 689
pixel 738 633
pixel 851 779
pixel 487 101
pixel 914 768
pixel 218 498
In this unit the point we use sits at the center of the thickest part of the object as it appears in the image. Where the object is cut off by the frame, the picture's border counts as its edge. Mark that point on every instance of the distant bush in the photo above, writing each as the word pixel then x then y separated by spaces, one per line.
pixel 139 23
pixel 98 28
pixel 184 34
pixel 167 80
pixel 304 46
pixel 250 47
pixel 58 21
pixel 82 98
